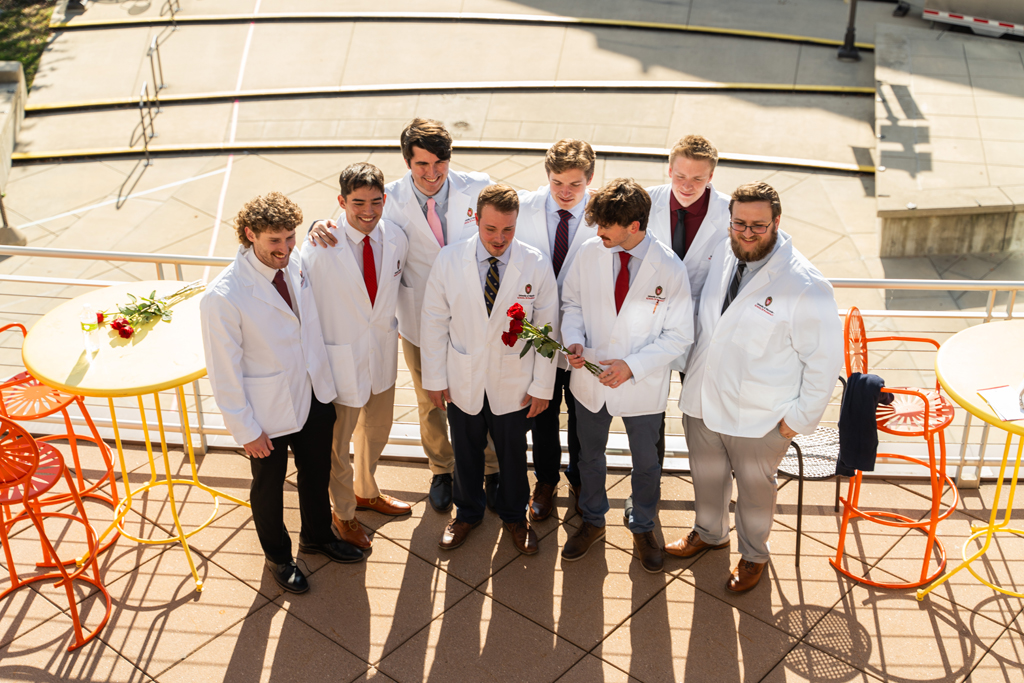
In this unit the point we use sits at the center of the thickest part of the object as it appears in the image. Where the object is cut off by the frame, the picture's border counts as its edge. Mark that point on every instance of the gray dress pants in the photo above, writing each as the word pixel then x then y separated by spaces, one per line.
pixel 714 458
pixel 642 433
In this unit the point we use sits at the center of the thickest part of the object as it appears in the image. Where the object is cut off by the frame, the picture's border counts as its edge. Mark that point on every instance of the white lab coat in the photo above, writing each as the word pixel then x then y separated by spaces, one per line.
pixel 532 229
pixel 712 232
pixel 403 210
pixel 461 346
pixel 774 354
pixel 654 327
pixel 260 360
pixel 362 342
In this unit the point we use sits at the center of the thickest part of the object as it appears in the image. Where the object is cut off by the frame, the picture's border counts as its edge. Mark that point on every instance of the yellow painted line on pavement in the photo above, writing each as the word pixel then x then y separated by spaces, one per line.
pixel 657 153
pixel 370 90
pixel 478 17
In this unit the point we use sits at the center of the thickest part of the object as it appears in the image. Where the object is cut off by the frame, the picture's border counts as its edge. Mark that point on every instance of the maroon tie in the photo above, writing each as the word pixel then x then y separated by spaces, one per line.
pixel 282 288
pixel 369 270
pixel 622 281
pixel 561 240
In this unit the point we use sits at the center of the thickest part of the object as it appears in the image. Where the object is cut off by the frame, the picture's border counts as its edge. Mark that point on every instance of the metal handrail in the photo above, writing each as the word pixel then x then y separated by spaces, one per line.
pixel 202 429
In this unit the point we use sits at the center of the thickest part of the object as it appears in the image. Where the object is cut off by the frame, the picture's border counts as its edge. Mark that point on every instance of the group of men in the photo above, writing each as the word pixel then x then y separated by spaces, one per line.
pixel 635 282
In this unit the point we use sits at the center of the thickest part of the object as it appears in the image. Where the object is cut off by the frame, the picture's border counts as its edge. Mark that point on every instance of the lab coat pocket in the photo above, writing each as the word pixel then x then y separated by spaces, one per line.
pixel 343 370
pixel 271 404
pixel 755 334
pixel 407 308
pixel 460 376
pixel 389 361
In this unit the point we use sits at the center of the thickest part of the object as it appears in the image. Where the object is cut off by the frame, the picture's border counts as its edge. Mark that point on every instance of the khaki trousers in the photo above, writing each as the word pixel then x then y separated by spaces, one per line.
pixel 434 422
pixel 368 428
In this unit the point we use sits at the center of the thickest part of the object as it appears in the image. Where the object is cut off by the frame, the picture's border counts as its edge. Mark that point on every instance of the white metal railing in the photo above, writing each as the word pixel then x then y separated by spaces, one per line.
pixel 900 365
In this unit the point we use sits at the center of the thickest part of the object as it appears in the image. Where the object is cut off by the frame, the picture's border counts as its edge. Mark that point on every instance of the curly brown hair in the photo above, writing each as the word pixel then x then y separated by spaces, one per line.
pixel 273 211
pixel 620 202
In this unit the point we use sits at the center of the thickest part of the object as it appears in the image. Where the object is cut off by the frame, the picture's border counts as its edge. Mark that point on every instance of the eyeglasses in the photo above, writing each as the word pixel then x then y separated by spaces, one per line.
pixel 756 229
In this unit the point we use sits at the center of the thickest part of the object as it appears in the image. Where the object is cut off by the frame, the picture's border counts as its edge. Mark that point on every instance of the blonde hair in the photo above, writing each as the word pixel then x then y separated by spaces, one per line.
pixel 695 147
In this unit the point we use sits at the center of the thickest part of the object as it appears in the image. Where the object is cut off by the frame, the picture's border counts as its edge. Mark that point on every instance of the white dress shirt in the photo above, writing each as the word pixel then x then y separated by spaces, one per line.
pixel 638 253
pixel 484 265
pixel 269 273
pixel 355 241
pixel 551 208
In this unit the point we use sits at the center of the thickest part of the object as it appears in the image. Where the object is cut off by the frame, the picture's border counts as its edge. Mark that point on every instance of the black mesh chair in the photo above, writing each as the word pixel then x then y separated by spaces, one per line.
pixel 812 456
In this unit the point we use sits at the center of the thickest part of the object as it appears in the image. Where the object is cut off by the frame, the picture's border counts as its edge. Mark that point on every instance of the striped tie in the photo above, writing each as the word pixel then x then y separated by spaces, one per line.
pixel 734 286
pixel 491 284
pixel 561 241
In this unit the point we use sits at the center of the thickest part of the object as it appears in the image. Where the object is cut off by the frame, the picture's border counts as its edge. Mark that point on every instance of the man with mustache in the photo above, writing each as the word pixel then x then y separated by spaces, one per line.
pixel 769 349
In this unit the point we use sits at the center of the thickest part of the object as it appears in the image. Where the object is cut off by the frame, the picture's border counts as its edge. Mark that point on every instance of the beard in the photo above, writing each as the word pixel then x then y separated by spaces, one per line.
pixel 762 250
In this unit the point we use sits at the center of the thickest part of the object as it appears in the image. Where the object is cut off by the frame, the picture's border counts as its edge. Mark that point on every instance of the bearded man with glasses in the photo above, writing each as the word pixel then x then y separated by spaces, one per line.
pixel 768 351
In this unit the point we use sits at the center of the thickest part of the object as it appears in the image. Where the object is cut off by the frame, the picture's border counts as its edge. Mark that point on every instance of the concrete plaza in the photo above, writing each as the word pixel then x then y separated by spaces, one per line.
pixel 484 612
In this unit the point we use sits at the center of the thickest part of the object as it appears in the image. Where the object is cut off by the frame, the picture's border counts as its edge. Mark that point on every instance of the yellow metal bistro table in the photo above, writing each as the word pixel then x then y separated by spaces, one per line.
pixel 160 356
pixel 982 357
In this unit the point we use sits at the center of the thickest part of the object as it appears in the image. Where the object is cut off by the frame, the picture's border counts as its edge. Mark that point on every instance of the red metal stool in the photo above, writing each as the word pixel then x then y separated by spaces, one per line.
pixel 23 398
pixel 913 412
pixel 27 471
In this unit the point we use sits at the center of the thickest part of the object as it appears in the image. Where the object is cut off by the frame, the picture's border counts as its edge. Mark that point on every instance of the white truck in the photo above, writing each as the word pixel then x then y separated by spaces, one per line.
pixel 985 17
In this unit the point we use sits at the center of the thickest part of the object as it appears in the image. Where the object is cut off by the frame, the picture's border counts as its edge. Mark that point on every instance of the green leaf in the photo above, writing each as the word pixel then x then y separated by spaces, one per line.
pixel 526 348
pixel 547 329
pixel 153 294
pixel 537 343
pixel 547 349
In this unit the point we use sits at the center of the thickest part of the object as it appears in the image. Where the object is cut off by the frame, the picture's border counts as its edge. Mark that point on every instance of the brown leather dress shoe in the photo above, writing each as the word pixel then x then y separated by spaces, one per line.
pixel 649 551
pixel 385 505
pixel 745 576
pixel 523 536
pixel 351 531
pixel 581 541
pixel 542 502
pixel 455 534
pixel 691 545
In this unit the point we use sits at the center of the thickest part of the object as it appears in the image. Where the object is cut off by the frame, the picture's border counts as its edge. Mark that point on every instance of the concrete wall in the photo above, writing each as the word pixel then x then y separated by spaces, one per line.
pixel 12 112
pixel 952 233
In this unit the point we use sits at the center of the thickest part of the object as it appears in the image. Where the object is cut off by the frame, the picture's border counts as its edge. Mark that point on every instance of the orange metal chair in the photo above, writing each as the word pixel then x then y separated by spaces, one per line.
pixel 23 398
pixel 913 412
pixel 28 470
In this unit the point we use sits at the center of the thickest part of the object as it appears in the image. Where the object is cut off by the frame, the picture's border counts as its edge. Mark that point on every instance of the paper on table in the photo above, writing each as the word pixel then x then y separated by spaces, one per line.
pixel 1004 401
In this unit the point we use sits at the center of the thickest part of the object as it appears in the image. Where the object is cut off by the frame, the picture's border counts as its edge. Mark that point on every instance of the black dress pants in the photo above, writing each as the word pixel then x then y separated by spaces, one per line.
pixel 311 448
pixel 547 449
pixel 469 438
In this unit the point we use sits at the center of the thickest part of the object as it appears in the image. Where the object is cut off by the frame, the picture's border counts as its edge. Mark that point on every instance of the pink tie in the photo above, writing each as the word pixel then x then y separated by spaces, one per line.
pixel 434 221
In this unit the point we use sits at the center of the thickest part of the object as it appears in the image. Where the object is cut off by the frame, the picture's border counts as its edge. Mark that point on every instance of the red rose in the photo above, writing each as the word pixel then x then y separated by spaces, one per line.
pixel 117 324
pixel 99 317
pixel 509 339
pixel 516 312
pixel 515 326
pixel 126 331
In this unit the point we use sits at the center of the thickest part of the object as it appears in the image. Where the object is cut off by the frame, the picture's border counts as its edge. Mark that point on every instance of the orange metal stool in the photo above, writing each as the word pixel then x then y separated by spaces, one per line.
pixel 27 471
pixel 913 412
pixel 23 398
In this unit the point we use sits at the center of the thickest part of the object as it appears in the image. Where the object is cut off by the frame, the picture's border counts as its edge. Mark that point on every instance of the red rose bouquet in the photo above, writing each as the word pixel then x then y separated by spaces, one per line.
pixel 141 310
pixel 537 338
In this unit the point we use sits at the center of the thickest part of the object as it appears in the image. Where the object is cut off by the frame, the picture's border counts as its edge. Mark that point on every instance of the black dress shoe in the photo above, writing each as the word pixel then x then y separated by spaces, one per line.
pixel 491 483
pixel 441 492
pixel 288 576
pixel 335 551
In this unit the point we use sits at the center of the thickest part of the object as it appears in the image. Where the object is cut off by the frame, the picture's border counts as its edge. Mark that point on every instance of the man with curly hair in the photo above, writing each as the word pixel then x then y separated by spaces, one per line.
pixel 272 382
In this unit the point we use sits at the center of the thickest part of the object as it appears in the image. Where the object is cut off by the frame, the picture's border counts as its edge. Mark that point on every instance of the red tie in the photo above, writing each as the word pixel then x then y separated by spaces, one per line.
pixel 369 270
pixel 622 281
pixel 282 288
